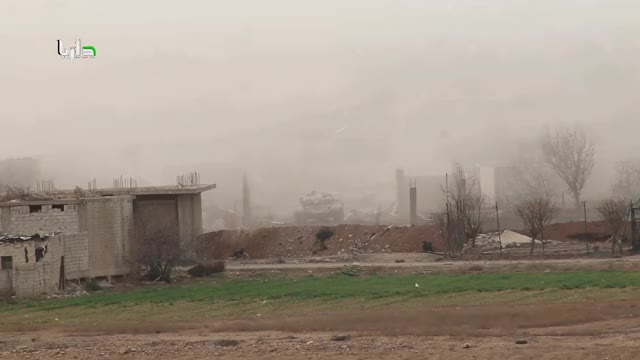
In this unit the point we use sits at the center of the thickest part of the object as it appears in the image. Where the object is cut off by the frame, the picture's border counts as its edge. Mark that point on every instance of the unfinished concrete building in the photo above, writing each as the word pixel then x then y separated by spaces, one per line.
pixel 430 194
pixel 169 209
pixel 105 224
pixel 101 227
pixel 19 172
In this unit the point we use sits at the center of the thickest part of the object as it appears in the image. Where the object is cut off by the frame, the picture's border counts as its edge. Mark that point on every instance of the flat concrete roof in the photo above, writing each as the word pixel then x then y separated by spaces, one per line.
pixel 68 197
pixel 158 190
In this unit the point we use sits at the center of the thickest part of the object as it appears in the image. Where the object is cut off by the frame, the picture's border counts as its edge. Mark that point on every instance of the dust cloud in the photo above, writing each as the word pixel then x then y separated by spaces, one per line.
pixel 328 95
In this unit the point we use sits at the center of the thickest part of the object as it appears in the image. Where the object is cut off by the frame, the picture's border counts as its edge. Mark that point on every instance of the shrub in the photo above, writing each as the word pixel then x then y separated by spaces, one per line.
pixel 322 236
pixel 92 286
pixel 427 246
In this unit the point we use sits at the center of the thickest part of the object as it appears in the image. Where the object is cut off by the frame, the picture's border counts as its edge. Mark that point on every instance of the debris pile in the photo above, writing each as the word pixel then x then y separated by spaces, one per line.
pixel 509 239
pixel 301 241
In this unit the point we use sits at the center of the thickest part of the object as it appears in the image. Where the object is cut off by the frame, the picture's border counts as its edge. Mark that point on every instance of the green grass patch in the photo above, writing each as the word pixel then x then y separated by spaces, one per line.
pixel 338 287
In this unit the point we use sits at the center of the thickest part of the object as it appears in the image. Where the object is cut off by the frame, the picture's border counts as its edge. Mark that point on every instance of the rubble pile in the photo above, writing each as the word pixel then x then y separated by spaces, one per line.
pixel 509 239
pixel 300 241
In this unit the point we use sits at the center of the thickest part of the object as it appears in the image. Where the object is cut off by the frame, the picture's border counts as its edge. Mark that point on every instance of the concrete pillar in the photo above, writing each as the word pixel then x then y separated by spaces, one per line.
pixel 402 196
pixel 413 204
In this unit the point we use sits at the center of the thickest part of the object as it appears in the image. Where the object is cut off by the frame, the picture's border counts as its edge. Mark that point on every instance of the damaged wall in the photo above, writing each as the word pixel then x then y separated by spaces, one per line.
pixel 31 277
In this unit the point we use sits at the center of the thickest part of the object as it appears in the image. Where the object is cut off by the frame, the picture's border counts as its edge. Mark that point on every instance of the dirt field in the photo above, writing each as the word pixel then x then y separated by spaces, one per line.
pixel 581 323
pixel 608 335
pixel 263 309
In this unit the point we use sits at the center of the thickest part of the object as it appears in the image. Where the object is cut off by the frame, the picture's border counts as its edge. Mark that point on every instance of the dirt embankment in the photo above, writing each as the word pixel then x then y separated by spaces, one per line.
pixel 596 231
pixel 298 241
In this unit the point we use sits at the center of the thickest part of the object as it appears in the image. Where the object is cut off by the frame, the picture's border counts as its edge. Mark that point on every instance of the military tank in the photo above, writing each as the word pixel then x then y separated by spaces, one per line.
pixel 319 208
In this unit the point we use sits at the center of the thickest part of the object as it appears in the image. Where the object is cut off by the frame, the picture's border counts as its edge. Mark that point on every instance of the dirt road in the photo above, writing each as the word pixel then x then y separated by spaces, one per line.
pixel 425 263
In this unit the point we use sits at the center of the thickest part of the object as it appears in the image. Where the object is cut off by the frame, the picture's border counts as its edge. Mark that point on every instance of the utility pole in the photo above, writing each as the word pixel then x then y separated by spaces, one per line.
pixel 586 239
pixel 499 231
pixel 246 203
pixel 634 231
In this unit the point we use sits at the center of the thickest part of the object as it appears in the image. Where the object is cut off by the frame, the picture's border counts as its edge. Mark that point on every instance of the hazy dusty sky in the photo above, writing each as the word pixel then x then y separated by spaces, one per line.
pixel 270 87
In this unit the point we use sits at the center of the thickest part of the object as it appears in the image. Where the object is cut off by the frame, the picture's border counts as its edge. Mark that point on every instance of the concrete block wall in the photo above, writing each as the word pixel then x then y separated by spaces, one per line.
pixel 22 221
pixel 109 223
pixel 6 281
pixel 76 255
pixel 24 281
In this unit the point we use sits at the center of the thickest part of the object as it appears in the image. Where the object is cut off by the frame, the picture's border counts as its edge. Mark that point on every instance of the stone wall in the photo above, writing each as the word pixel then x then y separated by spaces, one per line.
pixel 28 220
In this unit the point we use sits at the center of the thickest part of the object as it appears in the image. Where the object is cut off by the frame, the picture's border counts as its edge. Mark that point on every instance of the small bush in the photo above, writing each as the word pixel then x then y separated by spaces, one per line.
pixel 427 246
pixel 206 269
pixel 324 234
pixel 92 286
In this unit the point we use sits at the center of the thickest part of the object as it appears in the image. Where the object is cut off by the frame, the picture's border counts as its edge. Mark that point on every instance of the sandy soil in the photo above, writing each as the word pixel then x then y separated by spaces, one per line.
pixel 590 330
pixel 278 345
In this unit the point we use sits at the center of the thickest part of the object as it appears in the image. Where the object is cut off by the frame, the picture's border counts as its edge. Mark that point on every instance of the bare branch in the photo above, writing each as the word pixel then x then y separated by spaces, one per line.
pixel 570 152
pixel 463 209
pixel 627 183
pixel 535 212
pixel 614 212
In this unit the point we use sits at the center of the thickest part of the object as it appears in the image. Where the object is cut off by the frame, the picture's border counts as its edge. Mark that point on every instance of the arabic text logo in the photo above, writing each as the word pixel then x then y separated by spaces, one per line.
pixel 77 51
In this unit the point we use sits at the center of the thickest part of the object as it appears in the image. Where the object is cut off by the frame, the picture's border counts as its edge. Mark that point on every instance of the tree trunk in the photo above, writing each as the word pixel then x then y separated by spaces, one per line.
pixel 613 244
pixel 576 198
pixel 533 243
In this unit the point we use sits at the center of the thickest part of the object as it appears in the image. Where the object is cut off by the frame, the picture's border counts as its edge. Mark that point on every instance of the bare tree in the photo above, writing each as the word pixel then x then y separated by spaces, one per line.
pixel 535 212
pixel 530 177
pixel 570 152
pixel 466 201
pixel 627 181
pixel 158 252
pixel 450 225
pixel 614 212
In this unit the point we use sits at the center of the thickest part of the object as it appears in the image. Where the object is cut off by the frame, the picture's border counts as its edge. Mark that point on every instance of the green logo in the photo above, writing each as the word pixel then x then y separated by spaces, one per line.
pixel 77 51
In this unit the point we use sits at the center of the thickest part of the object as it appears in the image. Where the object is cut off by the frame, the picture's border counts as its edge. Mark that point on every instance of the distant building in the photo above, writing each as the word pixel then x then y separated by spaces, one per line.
pixel 430 194
pixel 19 172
